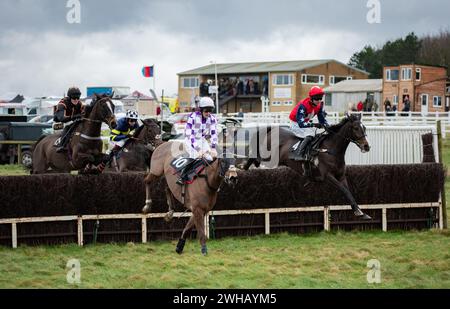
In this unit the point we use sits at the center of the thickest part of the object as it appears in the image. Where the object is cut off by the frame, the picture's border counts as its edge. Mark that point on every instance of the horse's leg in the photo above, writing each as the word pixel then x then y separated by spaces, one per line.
pixel 199 221
pixel 253 161
pixel 148 201
pixel 343 187
pixel 170 203
pixel 182 240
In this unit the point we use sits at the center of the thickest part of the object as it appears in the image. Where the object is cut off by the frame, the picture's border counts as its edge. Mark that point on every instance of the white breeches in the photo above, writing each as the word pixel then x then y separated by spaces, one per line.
pixel 302 132
pixel 204 147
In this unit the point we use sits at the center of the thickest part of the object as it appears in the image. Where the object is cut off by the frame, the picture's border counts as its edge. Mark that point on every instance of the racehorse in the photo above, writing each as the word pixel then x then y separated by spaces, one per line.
pixel 199 196
pixel 136 154
pixel 329 165
pixel 84 148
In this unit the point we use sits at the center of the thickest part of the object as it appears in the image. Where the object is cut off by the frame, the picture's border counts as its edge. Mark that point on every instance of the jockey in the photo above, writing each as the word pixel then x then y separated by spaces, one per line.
pixel 201 136
pixel 301 119
pixel 121 134
pixel 68 111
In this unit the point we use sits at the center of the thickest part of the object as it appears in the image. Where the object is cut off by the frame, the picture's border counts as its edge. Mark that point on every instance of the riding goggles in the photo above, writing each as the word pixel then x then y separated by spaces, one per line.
pixel 208 110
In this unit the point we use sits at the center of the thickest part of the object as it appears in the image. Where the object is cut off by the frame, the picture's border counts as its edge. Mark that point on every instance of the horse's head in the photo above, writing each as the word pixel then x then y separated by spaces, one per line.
pixel 150 132
pixel 102 109
pixel 228 171
pixel 357 133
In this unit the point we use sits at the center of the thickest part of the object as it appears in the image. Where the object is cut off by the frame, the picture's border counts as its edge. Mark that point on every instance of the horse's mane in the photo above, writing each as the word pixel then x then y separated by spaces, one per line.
pixel 337 127
pixel 138 131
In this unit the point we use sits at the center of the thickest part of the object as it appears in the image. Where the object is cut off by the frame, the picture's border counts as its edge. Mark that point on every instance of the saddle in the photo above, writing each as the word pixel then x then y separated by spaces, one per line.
pixel 188 168
pixel 312 149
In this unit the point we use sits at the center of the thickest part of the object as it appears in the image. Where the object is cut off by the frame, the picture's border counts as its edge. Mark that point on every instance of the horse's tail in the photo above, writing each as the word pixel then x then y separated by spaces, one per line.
pixel 33 147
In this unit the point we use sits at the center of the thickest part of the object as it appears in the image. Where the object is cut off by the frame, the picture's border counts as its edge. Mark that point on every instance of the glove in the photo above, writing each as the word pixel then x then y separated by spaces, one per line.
pixel 213 153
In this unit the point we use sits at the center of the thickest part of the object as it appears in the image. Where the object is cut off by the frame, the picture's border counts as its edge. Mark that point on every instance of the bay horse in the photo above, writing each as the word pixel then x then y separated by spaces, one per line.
pixel 85 146
pixel 199 197
pixel 137 151
pixel 330 161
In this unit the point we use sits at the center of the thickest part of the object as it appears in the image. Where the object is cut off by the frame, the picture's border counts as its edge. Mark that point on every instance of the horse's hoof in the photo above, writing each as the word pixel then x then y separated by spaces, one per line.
pixel 180 245
pixel 366 217
pixel 204 250
pixel 169 216
pixel 146 209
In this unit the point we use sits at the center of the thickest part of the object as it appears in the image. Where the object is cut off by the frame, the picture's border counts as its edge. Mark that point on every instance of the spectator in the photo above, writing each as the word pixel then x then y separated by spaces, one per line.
pixel 240 87
pixel 387 105
pixel 407 104
pixel 266 86
pixel 241 113
pixel 204 88
pixel 360 106
pixel 375 106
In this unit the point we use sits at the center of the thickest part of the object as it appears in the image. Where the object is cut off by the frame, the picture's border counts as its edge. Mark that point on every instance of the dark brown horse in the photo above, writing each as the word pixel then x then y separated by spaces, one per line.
pixel 84 148
pixel 199 197
pixel 329 164
pixel 137 151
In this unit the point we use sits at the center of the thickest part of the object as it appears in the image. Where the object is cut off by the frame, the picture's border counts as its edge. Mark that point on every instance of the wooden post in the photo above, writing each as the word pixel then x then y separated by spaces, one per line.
pixel 144 229
pixel 267 223
pixel 384 219
pixel 207 225
pixel 19 153
pixel 80 231
pixel 443 198
pixel 326 218
pixel 14 235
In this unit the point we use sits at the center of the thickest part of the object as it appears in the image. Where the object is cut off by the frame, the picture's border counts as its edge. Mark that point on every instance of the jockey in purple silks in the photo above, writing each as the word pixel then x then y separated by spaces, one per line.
pixel 201 136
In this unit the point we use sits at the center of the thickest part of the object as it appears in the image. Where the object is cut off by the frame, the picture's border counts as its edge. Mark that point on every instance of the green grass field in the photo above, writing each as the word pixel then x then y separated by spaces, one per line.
pixel 323 260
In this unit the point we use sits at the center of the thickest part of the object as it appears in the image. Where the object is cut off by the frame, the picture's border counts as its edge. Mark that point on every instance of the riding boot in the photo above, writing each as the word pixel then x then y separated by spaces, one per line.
pixel 62 141
pixel 184 175
pixel 108 158
pixel 301 151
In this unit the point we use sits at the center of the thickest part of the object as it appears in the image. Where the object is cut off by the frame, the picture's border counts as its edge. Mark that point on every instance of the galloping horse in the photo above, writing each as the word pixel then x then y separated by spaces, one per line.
pixel 85 147
pixel 199 196
pixel 330 162
pixel 137 151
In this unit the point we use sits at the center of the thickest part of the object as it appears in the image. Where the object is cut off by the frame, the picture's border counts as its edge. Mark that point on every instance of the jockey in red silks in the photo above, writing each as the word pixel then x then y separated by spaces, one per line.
pixel 301 119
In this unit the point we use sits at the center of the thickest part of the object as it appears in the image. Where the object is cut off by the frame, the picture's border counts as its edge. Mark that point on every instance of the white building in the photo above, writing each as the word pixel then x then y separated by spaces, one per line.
pixel 340 96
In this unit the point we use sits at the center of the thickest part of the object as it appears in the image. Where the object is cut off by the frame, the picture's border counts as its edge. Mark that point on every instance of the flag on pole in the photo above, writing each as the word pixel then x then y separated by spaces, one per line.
pixel 147 71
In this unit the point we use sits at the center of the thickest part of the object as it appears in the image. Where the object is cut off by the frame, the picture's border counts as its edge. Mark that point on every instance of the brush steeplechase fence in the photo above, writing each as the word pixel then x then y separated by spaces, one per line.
pixel 53 209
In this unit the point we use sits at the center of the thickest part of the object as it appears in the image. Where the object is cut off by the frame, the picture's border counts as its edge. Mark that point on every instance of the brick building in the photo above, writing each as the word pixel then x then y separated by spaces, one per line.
pixel 424 85
pixel 284 83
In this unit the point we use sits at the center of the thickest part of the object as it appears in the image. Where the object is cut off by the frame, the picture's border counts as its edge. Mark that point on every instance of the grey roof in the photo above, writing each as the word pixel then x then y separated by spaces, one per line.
pixel 261 67
pixel 357 85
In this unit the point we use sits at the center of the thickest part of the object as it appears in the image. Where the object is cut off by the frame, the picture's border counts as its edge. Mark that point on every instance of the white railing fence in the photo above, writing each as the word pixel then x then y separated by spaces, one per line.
pixel 368 118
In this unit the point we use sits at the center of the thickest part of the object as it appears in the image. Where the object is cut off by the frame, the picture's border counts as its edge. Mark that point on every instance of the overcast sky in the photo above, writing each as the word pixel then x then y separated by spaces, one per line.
pixel 42 54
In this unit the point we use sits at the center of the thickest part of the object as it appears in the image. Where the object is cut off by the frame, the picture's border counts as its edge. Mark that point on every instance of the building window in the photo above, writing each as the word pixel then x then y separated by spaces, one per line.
pixel 424 99
pixel 328 101
pixel 406 74
pixel 392 75
pixel 283 80
pixel 418 74
pixel 437 101
pixel 395 100
pixel 189 82
pixel 313 79
pixel 338 79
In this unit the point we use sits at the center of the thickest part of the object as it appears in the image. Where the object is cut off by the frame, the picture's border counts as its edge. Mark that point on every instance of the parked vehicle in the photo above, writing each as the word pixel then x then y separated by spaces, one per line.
pixel 25 134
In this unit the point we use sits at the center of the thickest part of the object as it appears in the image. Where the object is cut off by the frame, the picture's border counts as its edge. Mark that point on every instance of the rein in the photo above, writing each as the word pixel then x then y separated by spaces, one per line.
pixel 355 141
pixel 206 178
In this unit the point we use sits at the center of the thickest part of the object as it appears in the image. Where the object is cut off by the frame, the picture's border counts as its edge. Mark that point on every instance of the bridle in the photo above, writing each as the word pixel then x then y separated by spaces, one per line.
pixel 349 139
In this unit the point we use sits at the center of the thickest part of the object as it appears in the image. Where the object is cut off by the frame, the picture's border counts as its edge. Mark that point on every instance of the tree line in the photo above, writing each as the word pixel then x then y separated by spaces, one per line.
pixel 431 49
